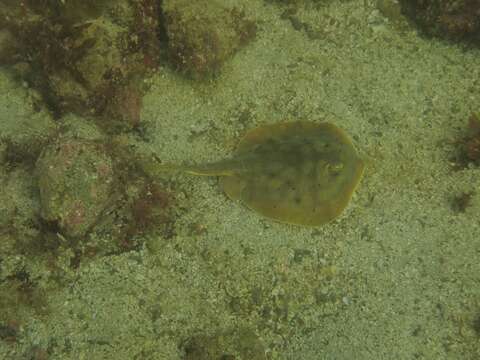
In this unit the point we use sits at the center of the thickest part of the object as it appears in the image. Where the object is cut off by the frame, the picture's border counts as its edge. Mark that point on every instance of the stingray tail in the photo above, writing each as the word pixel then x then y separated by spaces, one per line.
pixel 154 167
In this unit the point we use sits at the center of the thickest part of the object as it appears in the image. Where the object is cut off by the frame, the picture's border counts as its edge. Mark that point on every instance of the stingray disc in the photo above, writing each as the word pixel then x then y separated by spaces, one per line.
pixel 298 172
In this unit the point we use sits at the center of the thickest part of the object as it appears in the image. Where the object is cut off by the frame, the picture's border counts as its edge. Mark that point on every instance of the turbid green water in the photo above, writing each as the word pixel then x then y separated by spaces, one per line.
pixel 396 276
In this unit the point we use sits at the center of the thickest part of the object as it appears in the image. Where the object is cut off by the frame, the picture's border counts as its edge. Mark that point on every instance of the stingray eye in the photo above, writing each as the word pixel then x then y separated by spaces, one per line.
pixel 334 168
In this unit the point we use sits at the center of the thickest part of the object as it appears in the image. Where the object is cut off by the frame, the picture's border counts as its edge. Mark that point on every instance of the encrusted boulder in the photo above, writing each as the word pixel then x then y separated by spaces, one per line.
pixel 203 34
pixel 454 19
pixel 75 180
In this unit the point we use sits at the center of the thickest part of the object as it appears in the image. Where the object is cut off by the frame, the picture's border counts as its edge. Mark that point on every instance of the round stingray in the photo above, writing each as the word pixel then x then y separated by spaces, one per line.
pixel 298 172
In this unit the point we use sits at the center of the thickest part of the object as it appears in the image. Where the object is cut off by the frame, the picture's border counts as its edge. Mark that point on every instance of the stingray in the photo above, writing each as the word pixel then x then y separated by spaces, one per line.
pixel 296 172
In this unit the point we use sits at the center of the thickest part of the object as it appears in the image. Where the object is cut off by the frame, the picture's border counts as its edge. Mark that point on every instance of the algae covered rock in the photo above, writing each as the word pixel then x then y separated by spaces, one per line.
pixel 18 210
pixel 239 344
pixel 79 55
pixel 25 125
pixel 7 49
pixel 88 60
pixel 455 19
pixel 75 179
pixel 203 34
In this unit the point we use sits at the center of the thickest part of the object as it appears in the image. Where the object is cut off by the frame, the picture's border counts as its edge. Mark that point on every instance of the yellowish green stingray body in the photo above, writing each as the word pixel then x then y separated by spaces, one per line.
pixel 296 172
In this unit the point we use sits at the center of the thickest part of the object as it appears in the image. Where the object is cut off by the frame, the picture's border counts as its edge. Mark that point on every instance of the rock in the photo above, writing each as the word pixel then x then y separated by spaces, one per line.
pixel 75 179
pixel 18 210
pixel 78 53
pixel 122 111
pixel 7 48
pixel 454 19
pixel 203 34
pixel 94 60
pixel 25 125
pixel 224 345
